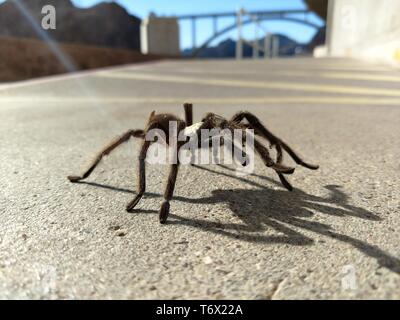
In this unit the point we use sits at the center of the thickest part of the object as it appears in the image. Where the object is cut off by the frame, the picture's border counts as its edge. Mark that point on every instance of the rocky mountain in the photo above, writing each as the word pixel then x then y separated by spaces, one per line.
pixel 105 24
pixel 227 48
pixel 224 49
pixel 320 7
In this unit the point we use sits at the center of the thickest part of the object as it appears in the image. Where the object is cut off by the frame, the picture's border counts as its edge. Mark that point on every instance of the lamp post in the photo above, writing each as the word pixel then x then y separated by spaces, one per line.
pixel 239 43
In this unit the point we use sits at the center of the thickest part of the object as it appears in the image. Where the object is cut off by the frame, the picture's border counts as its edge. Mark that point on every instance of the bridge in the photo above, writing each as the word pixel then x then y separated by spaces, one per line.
pixel 242 18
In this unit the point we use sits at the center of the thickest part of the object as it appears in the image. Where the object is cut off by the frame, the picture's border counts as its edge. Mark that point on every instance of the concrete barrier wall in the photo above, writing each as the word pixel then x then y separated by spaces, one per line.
pixel 367 29
pixel 160 36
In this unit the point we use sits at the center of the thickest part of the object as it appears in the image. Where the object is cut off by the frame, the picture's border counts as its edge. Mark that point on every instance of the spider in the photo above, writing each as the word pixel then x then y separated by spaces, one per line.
pixel 210 121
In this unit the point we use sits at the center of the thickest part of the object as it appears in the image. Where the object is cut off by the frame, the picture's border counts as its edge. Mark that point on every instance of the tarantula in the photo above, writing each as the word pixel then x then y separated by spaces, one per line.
pixel 210 121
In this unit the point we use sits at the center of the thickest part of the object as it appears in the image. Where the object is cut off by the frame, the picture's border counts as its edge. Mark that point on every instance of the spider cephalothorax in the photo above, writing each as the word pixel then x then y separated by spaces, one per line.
pixel 210 121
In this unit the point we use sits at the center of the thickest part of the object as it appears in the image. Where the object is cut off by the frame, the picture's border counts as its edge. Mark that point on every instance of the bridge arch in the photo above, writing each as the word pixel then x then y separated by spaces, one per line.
pixel 245 22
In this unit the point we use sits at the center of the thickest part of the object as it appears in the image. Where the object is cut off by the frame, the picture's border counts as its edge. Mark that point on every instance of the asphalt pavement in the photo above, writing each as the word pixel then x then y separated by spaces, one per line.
pixel 228 236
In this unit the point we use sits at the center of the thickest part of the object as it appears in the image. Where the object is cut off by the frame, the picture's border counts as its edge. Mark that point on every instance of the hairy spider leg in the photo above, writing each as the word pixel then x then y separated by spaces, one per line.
pixel 188 114
pixel 169 192
pixel 141 187
pixel 106 151
pixel 264 154
pixel 212 121
pixel 279 160
pixel 263 131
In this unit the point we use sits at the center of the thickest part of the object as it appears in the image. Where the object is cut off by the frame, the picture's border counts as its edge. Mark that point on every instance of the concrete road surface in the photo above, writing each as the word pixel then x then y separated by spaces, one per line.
pixel 228 237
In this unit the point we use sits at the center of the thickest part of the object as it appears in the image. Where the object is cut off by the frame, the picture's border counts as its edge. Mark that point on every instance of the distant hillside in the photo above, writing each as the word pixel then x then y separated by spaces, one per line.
pixel 227 48
pixel 320 7
pixel 105 24
pixel 22 59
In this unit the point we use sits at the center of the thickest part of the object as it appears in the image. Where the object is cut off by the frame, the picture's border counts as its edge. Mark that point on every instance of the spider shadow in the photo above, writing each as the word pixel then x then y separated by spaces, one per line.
pixel 287 213
pixel 124 190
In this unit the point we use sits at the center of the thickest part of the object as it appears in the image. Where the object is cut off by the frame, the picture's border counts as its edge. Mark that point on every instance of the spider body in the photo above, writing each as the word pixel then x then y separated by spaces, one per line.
pixel 210 121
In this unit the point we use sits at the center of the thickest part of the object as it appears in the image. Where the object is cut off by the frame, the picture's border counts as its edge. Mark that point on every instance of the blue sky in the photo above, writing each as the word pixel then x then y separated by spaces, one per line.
pixel 141 8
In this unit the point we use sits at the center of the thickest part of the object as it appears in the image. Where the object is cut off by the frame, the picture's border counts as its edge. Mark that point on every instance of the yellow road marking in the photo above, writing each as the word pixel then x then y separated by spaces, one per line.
pixel 243 101
pixel 397 54
pixel 286 86
pixel 306 67
pixel 367 77
pixel 347 68
pixel 298 73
